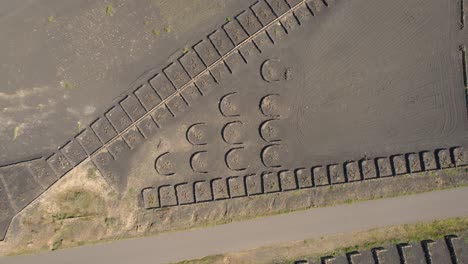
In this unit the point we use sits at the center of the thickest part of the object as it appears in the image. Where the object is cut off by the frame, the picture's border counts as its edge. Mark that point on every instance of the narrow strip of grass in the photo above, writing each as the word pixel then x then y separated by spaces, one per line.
pixel 343 243
pixel 457 176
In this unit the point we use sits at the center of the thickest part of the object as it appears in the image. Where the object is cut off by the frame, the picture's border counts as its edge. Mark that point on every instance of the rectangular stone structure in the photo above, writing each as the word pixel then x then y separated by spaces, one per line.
pixel 388 255
pixel 220 189
pixel 289 22
pixel 235 32
pixel 221 42
pixel 336 173
pixel 103 130
pixel 438 251
pixel 133 137
pixel 352 171
pixel 320 176
pixel 219 73
pixel 287 180
pixel 460 249
pixel 177 75
pixel 384 167
pixel 132 107
pixel 234 61
pixel 236 187
pixel 20 184
pixel 191 94
pixel 162 116
pixel 304 178
pixel 248 51
pixel 207 52
pixel 368 169
pixel 444 159
pixel 263 12
pixel 412 253
pixel 59 163
pixel 147 126
pixel 362 257
pixel 254 184
pixel 177 105
pixel 42 172
pixel 293 3
pixel 147 97
pixel 249 22
pixel 317 6
pixel 192 63
pixel 414 162
pixel 263 41
pixel 303 14
pixel 89 141
pixel 118 148
pixel 202 191
pixel 276 32
pixel 103 161
pixel 150 198
pixel 335 260
pixel 185 193
pixel 162 85
pixel 460 156
pixel 206 83
pixel 270 182
pixel 399 164
pixel 167 196
pixel 74 152
pixel 279 6
pixel 118 118
pixel 429 160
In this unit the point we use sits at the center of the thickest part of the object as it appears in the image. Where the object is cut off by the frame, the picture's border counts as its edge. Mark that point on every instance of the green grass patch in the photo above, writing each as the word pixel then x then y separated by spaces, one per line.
pixel 78 203
pixel 40 107
pixel 65 84
pixel 15 133
pixel 109 10
pixel 78 127
pixel 205 260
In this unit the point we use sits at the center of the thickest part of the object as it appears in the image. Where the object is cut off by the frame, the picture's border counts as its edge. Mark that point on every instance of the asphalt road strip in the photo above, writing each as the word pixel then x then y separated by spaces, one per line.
pixel 177 246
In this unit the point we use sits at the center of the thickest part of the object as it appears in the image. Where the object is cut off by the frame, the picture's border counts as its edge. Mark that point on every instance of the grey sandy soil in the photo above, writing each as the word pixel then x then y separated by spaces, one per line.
pixel 263 231
pixel 212 111
pixel 63 63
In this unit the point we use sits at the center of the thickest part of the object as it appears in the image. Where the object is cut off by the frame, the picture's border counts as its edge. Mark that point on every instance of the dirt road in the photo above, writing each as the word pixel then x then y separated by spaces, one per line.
pixel 263 231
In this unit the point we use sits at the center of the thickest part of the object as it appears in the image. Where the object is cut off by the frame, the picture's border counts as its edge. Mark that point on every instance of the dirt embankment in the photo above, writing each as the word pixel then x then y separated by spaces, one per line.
pixel 81 208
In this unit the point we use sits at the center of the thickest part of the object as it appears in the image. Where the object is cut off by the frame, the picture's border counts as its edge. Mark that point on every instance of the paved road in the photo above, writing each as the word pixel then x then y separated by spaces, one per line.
pixel 263 231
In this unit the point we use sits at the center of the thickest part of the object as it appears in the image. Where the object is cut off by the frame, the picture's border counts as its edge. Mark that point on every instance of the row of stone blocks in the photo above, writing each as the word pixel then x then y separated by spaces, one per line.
pixel 451 250
pixel 115 123
pixel 149 107
pixel 169 93
pixel 285 180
